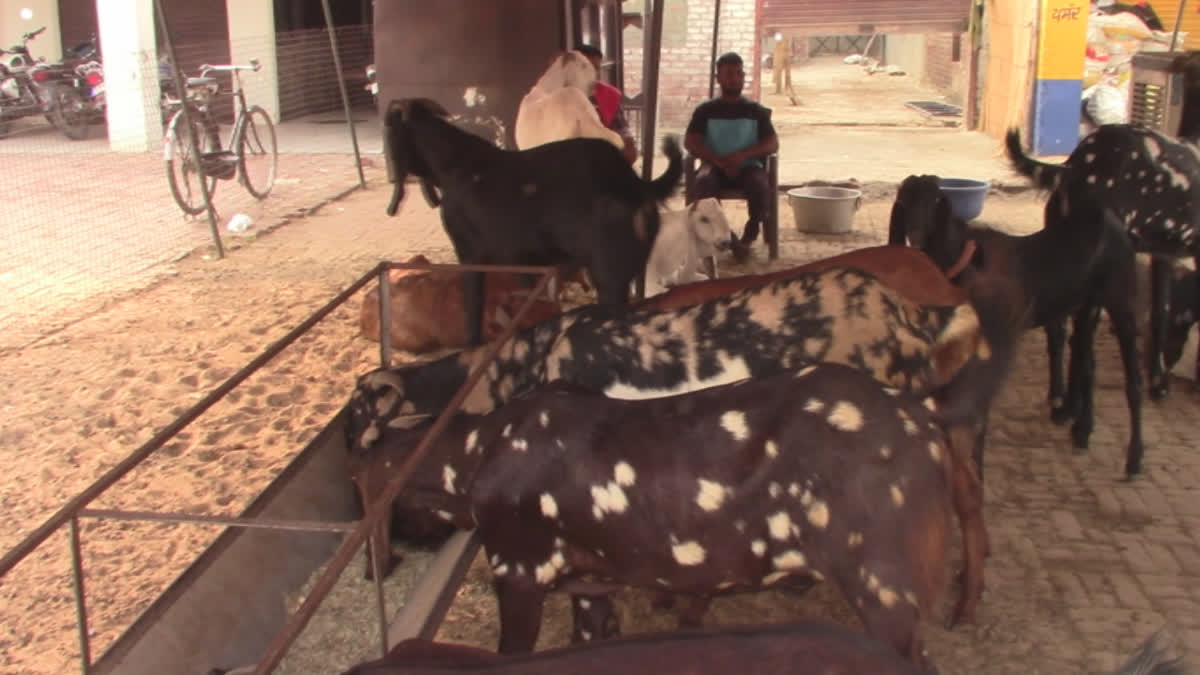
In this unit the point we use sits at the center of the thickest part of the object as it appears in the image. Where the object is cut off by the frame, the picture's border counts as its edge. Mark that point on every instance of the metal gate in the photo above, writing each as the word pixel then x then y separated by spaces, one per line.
pixel 820 17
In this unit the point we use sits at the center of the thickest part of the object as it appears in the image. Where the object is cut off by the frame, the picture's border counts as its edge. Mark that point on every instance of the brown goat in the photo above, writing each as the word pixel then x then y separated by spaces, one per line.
pixel 427 306
pixel 821 472
pixel 801 648
pixel 908 271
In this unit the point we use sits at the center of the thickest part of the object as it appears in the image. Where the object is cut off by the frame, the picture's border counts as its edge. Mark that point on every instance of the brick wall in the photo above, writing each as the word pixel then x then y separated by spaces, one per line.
pixel 941 70
pixel 687 54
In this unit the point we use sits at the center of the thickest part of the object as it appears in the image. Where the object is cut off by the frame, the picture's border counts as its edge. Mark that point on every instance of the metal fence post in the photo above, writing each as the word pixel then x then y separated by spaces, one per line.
pixel 341 78
pixel 187 119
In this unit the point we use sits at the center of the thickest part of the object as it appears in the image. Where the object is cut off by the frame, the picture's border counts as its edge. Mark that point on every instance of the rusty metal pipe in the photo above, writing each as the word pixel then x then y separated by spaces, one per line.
pixel 206 519
pixel 85 643
pixel 381 507
pixel 72 508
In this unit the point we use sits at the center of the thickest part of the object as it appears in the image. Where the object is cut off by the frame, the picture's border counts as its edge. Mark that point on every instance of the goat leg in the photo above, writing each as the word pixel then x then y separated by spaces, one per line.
pixel 473 302
pixel 594 617
pixel 1056 338
pixel 1196 264
pixel 1125 327
pixel 1160 284
pixel 378 551
pixel 1083 371
pixel 968 506
pixel 521 607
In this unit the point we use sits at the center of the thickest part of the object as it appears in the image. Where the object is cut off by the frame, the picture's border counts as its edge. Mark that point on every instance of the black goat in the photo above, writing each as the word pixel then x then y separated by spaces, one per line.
pixel 575 202
pixel 1082 264
pixel 1150 183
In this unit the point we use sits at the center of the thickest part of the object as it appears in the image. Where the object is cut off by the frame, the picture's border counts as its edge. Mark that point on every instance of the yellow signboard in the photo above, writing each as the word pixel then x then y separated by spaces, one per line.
pixel 1062 39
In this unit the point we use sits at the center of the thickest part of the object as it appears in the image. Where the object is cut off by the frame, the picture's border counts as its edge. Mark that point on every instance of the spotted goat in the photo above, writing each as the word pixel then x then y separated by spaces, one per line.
pixel 840 315
pixel 1152 185
pixel 820 473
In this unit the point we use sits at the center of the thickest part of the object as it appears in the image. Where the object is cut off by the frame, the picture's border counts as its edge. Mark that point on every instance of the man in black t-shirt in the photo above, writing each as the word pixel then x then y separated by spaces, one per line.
pixel 732 135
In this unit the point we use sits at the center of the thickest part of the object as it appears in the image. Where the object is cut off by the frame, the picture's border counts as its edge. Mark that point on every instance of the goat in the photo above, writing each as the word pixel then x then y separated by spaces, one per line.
pixel 426 305
pixel 685 238
pixel 820 472
pixel 841 315
pixel 1083 263
pixel 907 271
pixel 575 202
pixel 1181 315
pixel 557 106
pixel 807 647
pixel 1150 183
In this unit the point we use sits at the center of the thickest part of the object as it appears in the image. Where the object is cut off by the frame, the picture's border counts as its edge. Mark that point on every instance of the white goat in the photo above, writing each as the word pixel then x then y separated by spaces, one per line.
pixel 557 106
pixel 685 238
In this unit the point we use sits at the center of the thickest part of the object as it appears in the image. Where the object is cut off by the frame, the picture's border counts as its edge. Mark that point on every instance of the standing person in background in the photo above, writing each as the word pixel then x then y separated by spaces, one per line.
pixel 607 100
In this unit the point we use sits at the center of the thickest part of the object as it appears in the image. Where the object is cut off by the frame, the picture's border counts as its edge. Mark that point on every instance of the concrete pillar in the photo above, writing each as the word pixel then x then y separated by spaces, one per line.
pixel 130 74
pixel 252 36
pixel 18 17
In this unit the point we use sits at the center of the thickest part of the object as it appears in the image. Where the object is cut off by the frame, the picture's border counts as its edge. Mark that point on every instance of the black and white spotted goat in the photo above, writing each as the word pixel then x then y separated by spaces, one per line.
pixel 1151 183
pixel 840 315
pixel 575 202
pixel 822 472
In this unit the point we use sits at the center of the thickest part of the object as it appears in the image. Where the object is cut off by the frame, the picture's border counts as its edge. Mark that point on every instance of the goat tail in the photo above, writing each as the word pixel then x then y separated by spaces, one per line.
pixel 1151 659
pixel 1045 176
pixel 663 187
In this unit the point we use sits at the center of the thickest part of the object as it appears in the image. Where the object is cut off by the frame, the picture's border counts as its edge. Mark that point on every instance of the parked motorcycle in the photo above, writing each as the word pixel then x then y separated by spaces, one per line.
pixel 89 75
pixel 31 86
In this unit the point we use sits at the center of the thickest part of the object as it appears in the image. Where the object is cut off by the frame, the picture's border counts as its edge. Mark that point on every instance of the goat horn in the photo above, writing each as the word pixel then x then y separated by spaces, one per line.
pixel 407 421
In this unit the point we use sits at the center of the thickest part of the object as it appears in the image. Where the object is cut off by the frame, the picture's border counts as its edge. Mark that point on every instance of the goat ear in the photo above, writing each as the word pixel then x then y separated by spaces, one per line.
pixel 692 207
pixel 897 230
pixel 407 421
pixel 958 342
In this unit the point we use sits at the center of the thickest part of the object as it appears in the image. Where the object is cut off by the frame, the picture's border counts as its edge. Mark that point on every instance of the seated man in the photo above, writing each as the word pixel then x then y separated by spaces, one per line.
pixel 607 100
pixel 731 136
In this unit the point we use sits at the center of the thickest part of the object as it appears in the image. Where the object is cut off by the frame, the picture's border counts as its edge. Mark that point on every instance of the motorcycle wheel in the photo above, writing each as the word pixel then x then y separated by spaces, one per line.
pixel 68 112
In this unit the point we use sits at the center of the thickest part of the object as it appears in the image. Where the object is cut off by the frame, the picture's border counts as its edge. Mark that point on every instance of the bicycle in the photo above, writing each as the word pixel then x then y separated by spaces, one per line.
pixel 251 145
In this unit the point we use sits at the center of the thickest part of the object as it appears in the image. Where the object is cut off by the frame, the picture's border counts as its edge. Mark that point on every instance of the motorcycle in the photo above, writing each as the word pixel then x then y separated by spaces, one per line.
pixel 31 86
pixel 89 75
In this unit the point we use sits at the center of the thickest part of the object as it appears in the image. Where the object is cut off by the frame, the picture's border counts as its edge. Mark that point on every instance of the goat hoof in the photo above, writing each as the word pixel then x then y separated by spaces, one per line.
pixel 1079 439
pixel 1159 390
pixel 1061 415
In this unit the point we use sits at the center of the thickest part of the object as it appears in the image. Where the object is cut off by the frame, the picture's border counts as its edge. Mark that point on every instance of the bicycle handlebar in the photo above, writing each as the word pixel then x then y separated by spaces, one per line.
pixel 254 66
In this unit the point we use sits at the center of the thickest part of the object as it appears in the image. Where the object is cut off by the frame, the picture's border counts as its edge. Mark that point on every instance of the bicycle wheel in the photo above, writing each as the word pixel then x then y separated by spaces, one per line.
pixel 183 170
pixel 258 156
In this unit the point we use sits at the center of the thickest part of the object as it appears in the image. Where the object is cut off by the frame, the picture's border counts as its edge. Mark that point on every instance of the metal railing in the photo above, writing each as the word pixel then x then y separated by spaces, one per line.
pixel 78 507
